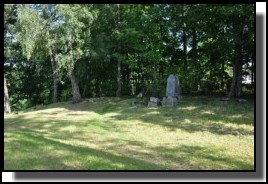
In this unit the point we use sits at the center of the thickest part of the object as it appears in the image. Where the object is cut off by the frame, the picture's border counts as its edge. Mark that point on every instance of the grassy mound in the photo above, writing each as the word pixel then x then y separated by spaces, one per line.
pixel 111 134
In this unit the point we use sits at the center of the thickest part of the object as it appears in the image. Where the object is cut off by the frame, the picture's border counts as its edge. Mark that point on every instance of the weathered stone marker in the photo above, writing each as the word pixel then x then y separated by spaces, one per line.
pixel 172 86
pixel 154 102
pixel 172 91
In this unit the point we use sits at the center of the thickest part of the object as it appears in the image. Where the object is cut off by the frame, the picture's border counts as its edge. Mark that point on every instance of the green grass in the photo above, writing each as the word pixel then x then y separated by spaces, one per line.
pixel 109 134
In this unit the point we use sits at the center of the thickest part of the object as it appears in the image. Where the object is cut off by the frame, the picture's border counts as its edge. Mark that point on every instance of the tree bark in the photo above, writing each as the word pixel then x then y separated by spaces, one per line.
pixel 195 60
pixel 184 47
pixel 75 87
pixel 6 100
pixel 238 87
pixel 222 76
pixel 119 73
pixel 84 91
pixel 55 78
pixel 252 69
pixel 235 90
pixel 119 80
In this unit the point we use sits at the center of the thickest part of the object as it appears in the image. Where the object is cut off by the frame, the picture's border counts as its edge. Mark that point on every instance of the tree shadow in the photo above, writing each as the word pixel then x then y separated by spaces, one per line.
pixel 64 129
pixel 203 158
pixel 190 115
pixel 208 114
pixel 88 104
pixel 52 154
pixel 60 153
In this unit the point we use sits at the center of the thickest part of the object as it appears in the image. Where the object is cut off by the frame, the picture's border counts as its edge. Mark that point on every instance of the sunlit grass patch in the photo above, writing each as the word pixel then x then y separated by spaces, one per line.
pixel 109 134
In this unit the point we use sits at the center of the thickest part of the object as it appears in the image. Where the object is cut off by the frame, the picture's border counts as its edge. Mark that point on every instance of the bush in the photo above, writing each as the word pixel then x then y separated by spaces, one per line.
pixel 45 96
pixel 20 104
pixel 66 94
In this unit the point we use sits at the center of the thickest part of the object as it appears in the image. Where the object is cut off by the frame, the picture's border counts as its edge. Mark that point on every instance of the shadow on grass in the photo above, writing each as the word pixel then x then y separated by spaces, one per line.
pixel 64 129
pixel 53 154
pixel 204 158
pixel 32 151
pixel 193 124
pixel 92 104
pixel 207 114
pixel 192 114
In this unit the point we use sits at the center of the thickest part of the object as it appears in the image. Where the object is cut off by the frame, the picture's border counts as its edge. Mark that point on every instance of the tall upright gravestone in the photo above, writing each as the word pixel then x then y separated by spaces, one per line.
pixel 172 86
pixel 172 91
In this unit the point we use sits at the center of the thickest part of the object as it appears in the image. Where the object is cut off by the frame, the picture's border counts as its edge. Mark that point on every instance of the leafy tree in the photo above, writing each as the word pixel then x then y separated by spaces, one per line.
pixel 36 35
pixel 57 31
pixel 114 50
pixel 73 32
pixel 10 18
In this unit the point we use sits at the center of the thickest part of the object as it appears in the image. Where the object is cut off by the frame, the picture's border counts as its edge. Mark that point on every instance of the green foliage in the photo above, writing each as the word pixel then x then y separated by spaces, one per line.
pixel 72 33
pixel 148 40
pixel 66 94
pixel 29 29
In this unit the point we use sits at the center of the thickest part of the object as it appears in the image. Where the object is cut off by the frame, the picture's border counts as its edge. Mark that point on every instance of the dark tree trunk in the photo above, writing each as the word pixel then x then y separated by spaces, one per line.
pixel 235 90
pixel 6 100
pixel 236 85
pixel 232 89
pixel 75 88
pixel 85 88
pixel 194 46
pixel 119 80
pixel 84 91
pixel 55 78
pixel 252 69
pixel 119 65
pixel 195 61
pixel 222 76
pixel 184 48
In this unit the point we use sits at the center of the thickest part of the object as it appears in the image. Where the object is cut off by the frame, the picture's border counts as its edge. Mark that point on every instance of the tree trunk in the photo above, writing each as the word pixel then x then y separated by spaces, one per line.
pixel 194 46
pixel 252 69
pixel 222 76
pixel 238 87
pixel 84 91
pixel 85 88
pixel 55 78
pixel 6 100
pixel 235 90
pixel 75 88
pixel 195 61
pixel 184 48
pixel 119 73
pixel 119 80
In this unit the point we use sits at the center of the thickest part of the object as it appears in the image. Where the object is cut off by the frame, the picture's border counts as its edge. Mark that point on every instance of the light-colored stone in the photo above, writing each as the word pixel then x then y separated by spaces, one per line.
pixel 140 95
pixel 170 101
pixel 154 102
pixel 154 99
pixel 172 86
pixel 172 91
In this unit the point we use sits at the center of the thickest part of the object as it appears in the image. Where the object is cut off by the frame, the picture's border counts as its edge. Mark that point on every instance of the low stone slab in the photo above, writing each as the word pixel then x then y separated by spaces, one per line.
pixel 169 101
pixel 154 99
pixel 154 102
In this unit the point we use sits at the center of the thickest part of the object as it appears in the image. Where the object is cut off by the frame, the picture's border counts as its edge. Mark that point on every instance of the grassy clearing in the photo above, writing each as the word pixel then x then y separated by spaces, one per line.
pixel 109 134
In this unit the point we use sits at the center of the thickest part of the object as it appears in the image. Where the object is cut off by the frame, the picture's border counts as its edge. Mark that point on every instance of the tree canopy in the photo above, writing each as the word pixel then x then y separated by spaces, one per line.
pixel 56 52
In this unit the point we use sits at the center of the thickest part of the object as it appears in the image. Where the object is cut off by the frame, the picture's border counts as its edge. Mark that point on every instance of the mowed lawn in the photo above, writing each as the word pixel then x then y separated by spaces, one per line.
pixel 201 133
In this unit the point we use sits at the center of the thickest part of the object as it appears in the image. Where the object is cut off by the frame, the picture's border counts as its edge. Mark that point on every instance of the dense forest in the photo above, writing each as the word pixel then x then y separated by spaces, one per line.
pixel 56 52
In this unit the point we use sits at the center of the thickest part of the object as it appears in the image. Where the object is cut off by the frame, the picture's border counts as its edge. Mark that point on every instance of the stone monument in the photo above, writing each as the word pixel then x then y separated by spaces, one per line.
pixel 154 102
pixel 172 91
